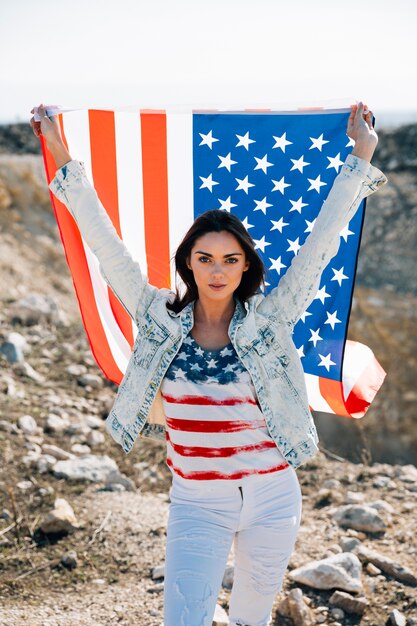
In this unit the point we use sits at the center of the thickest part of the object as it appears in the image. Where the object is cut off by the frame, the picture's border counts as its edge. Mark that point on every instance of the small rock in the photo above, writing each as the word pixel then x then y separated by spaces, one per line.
pixel 382 505
pixel 299 611
pixel 90 467
pixel 24 485
pixel 341 571
pixel 348 603
pixel 349 543
pixel 69 559
pixel 12 352
pixel 372 570
pixel 60 519
pixel 92 421
pixel 76 369
pixel 396 618
pixel 35 309
pixel 80 449
pixel 386 565
pixel 91 380
pixel 228 577
pixel 332 483
pixel 56 452
pixel 55 424
pixel 381 481
pixel 8 427
pixel 360 517
pixel 27 424
pixel 337 613
pixel 352 497
pixel 116 478
pixel 95 438
pixel 24 369
pixel 220 617
pixel 44 463
pixel 158 572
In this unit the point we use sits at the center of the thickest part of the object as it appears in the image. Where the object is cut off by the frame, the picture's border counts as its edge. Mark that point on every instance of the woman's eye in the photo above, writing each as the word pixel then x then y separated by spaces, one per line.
pixel 203 259
pixel 232 260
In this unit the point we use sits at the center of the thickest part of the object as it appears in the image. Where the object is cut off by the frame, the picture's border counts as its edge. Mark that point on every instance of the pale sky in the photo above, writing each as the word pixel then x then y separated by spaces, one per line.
pixel 244 53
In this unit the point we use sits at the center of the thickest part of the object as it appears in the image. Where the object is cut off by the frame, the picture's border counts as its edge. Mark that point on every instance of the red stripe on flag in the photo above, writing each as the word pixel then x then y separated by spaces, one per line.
pixel 220 475
pixel 218 452
pixel 76 259
pixel 365 389
pixel 332 392
pixel 104 168
pixel 207 400
pixel 155 197
pixel 212 426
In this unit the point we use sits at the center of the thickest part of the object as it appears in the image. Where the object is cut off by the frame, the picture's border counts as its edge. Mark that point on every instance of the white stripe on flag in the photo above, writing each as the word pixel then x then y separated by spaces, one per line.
pixel 77 132
pixel 130 187
pixel 180 179
pixel 315 399
pixel 356 359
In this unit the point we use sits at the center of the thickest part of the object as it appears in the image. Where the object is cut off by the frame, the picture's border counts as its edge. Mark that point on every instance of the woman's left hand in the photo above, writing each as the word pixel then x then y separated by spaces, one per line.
pixel 360 129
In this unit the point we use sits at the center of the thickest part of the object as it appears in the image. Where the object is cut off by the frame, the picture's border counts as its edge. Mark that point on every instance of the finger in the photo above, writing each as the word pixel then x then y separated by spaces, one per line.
pixel 359 110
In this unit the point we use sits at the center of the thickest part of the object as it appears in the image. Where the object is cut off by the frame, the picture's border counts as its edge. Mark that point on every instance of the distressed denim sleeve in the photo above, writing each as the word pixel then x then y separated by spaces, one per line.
pixel 298 287
pixel 72 187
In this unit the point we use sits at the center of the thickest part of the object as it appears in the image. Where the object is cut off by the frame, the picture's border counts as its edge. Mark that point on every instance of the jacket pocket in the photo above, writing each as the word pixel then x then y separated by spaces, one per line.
pixel 149 339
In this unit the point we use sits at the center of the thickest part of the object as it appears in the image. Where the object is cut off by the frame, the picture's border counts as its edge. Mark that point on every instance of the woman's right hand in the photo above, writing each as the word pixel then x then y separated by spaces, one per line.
pixel 48 126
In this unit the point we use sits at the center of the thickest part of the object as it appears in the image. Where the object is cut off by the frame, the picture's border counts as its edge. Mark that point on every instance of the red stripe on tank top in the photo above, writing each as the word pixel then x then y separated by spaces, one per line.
pixel 216 426
pixel 207 400
pixel 220 475
pixel 201 451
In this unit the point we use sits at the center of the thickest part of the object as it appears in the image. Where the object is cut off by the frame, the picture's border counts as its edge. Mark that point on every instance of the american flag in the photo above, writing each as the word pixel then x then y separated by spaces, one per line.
pixel 155 171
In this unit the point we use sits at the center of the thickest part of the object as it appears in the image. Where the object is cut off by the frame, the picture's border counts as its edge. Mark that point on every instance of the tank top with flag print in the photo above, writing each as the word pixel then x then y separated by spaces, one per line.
pixel 215 429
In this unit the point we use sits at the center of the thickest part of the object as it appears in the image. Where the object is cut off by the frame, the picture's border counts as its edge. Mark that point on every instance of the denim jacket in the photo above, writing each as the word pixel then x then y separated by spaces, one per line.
pixel 260 329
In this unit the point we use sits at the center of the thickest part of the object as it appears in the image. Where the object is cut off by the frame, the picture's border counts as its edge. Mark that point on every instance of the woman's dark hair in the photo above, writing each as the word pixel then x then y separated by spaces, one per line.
pixel 217 221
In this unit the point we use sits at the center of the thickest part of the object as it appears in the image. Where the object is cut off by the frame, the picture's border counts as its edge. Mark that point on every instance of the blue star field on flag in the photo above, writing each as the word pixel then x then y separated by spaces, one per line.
pixel 274 172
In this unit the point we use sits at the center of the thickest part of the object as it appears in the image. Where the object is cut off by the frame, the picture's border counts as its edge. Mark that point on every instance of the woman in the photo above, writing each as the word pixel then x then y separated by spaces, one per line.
pixel 215 372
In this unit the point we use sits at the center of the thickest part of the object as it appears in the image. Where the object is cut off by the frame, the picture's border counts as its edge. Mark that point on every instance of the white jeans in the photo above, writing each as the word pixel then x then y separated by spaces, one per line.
pixel 262 514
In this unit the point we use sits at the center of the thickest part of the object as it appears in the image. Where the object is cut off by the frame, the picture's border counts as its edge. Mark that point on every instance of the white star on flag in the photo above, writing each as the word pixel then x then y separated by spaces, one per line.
pixel 297 205
pixel 227 204
pixel 208 183
pixel 246 224
pixel 262 205
pixel 339 275
pixel 244 141
pixel 299 164
pixel 315 183
pixel 277 265
pixel 321 295
pixel 332 319
pixel 351 142
pixel 345 232
pixel 335 162
pixel 279 224
pixel 282 142
pixel 226 161
pixel 315 337
pixel 318 142
pixel 294 246
pixel 244 184
pixel 280 185
pixel 260 244
pixel 263 164
pixel 300 351
pixel 208 139
pixel 304 315
pixel 310 225
pixel 326 361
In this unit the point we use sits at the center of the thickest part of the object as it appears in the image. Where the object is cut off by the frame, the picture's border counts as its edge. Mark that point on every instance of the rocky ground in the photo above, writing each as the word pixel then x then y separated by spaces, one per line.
pixel 82 526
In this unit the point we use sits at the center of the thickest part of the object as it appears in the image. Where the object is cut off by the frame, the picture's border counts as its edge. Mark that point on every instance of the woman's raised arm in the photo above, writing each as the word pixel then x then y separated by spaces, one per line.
pixel 72 187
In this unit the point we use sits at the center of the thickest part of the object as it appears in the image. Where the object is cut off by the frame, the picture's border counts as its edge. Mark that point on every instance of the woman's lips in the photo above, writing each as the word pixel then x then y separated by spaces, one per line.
pixel 216 287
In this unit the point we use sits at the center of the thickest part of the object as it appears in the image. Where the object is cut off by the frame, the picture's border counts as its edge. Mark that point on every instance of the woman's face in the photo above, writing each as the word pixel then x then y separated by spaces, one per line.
pixel 217 261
